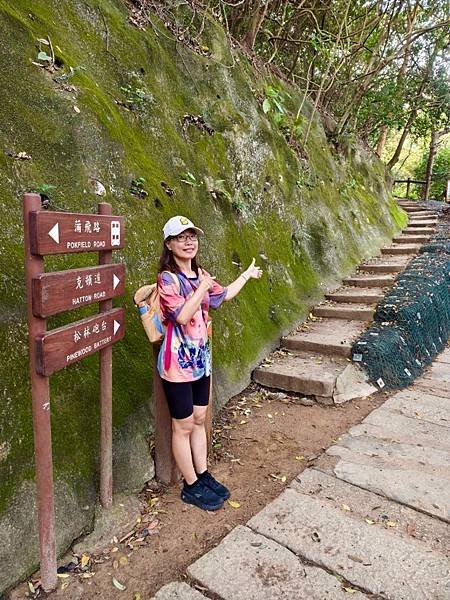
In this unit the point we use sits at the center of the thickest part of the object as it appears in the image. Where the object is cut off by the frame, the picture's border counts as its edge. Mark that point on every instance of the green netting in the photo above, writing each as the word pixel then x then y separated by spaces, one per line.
pixel 412 322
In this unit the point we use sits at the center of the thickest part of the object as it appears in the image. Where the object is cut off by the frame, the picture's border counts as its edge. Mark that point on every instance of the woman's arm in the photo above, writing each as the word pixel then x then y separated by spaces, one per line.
pixel 192 305
pixel 251 273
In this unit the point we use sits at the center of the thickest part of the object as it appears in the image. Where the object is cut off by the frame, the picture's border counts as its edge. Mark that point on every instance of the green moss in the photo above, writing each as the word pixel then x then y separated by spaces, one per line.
pixel 313 220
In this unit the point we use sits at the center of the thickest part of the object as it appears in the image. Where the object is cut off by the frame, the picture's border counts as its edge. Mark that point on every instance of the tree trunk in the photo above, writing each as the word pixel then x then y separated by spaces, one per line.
pixel 255 24
pixel 415 110
pixel 429 171
pixel 406 129
pixel 382 140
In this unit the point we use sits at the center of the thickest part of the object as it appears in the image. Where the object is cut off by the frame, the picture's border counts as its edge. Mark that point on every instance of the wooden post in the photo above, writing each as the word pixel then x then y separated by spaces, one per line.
pixel 106 479
pixel 208 422
pixel 34 265
pixel 408 183
pixel 165 468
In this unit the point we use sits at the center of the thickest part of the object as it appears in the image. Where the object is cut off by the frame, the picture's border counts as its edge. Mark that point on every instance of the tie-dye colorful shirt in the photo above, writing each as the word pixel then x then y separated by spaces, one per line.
pixel 185 353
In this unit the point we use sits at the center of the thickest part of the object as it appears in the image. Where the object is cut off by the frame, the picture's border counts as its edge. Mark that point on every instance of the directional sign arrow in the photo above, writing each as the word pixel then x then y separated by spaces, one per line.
pixel 116 326
pixel 54 233
pixel 116 281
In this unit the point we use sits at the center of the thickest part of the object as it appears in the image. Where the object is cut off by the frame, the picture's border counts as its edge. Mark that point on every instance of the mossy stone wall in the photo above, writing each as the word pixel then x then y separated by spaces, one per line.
pixel 307 223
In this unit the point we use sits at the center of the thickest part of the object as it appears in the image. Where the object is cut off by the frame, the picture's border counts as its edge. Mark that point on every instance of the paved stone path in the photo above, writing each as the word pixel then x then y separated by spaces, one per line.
pixel 370 520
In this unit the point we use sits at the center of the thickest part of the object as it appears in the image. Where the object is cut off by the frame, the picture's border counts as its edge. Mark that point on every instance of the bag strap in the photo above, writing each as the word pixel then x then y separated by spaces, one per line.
pixel 174 278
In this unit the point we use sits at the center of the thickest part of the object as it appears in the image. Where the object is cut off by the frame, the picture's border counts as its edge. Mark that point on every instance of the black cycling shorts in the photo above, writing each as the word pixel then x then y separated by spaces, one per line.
pixel 182 396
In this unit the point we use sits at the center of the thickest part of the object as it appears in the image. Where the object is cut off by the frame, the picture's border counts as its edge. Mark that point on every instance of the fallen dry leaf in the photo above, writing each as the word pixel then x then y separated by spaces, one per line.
pixel 84 560
pixel 369 521
pixel 411 529
pixel 346 507
pixel 234 504
pixel 118 585
pixel 391 523
pixel 300 457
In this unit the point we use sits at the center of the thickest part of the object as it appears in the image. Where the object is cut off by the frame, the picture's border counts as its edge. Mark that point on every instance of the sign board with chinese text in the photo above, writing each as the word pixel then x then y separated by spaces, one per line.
pixel 66 345
pixel 60 233
pixel 66 290
pixel 47 232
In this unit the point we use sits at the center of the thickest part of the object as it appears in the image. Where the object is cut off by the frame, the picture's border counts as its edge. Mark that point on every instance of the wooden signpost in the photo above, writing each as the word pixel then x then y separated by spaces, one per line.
pixel 48 294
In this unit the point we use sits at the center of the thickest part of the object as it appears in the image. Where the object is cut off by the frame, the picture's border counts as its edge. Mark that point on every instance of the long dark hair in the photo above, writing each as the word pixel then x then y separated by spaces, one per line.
pixel 167 261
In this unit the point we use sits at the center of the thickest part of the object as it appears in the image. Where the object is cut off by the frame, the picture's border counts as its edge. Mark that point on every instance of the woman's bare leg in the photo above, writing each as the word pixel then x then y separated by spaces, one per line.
pixel 182 430
pixel 199 444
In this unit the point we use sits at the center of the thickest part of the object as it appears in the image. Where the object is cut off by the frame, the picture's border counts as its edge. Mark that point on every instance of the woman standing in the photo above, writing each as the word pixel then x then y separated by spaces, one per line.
pixel 187 292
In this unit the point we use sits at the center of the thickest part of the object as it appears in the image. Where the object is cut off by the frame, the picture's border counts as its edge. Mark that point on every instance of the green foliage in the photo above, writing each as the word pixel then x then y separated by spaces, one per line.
pixel 440 174
pixel 134 96
pixel 137 188
pixel 189 179
pixel 274 105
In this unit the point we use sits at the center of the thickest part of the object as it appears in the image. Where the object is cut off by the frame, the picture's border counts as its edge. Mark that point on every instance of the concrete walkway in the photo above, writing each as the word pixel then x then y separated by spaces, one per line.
pixel 371 520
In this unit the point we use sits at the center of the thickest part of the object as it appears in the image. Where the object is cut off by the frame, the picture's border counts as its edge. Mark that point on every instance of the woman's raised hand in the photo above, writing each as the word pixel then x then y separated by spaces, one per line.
pixel 253 271
pixel 205 280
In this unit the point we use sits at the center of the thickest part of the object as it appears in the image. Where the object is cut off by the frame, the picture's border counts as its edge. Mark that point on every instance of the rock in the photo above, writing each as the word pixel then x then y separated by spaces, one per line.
pixel 109 523
pixel 352 383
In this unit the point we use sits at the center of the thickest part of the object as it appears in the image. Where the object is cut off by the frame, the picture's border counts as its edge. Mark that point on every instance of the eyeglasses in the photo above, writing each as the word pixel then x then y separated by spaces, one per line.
pixel 184 237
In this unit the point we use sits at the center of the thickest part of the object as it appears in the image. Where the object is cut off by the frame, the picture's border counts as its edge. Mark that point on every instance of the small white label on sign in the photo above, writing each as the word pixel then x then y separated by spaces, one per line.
pixel 357 357
pixel 116 281
pixel 115 233
pixel 408 372
pixel 116 326
pixel 54 233
pixel 380 383
pixel 373 333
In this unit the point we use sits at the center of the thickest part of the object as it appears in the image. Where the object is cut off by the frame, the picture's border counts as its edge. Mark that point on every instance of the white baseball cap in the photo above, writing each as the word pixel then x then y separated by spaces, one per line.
pixel 176 225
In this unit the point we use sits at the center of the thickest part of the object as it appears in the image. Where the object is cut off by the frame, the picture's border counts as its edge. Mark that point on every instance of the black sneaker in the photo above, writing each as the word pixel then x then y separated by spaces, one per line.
pixel 202 496
pixel 219 489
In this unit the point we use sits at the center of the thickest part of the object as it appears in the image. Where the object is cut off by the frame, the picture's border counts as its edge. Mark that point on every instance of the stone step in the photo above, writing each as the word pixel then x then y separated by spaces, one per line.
pixel 358 312
pixel 366 555
pixel 419 231
pixel 249 566
pixel 303 372
pixel 421 213
pixel 327 336
pixel 382 267
pixel 422 222
pixel 372 281
pixel 357 295
pixel 401 249
pixel 429 533
pixel 411 239
pixel 397 454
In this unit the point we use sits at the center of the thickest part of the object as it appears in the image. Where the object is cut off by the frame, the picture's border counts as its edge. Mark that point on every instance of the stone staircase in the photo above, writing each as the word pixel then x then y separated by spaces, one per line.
pixel 314 360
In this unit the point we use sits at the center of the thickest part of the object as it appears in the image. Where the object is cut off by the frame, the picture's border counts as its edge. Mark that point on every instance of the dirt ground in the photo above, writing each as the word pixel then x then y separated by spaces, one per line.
pixel 262 440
